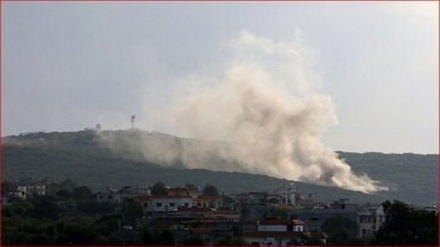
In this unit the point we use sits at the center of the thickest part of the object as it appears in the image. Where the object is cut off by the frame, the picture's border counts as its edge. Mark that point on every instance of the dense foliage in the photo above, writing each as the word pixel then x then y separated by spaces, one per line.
pixel 341 230
pixel 405 225
pixel 68 214
pixel 210 190
pixel 159 189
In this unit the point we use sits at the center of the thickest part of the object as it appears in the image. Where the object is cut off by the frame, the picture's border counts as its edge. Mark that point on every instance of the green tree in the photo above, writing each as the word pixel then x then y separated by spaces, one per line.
pixel 341 230
pixel 45 207
pixel 82 193
pixel 64 194
pixel 77 233
pixel 405 225
pixel 232 241
pixel 210 190
pixel 280 211
pixel 131 210
pixel 166 237
pixel 147 237
pixel 67 185
pixel 194 241
pixel 92 207
pixel 108 224
pixel 159 188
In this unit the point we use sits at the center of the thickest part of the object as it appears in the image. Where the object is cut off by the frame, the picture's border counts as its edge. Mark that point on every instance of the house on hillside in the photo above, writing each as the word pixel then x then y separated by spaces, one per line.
pixel 188 190
pixel 25 188
pixel 284 195
pixel 260 198
pixel 117 196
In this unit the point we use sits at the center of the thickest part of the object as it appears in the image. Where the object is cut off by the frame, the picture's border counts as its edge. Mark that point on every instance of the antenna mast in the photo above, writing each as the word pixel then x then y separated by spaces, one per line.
pixel 133 117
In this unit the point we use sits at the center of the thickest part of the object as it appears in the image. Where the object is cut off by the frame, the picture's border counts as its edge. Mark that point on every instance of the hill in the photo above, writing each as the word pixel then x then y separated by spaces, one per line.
pixel 82 157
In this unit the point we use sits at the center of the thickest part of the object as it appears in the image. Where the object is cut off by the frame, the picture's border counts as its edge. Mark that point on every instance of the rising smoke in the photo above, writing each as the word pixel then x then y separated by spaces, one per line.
pixel 264 106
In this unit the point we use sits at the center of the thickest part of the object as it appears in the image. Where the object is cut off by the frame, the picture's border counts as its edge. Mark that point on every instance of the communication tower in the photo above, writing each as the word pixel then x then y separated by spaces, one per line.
pixel 133 118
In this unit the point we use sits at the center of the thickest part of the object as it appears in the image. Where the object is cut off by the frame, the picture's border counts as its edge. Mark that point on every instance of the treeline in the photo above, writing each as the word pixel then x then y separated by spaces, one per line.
pixel 405 225
pixel 68 214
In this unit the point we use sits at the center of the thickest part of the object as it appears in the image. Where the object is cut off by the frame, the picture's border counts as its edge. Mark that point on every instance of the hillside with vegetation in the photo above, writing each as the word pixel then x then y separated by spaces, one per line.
pixel 82 157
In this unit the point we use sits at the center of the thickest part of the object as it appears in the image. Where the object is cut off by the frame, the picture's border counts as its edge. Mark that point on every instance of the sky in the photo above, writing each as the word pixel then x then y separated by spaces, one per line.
pixel 69 66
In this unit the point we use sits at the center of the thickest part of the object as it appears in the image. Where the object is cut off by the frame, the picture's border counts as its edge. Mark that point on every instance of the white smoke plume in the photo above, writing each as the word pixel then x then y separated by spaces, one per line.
pixel 264 106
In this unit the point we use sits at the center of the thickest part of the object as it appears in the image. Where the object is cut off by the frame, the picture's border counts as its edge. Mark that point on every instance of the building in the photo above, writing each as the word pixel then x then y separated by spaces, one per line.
pixel 188 190
pixel 112 196
pixel 370 218
pixel 280 225
pixel 315 216
pixel 26 188
pixel 205 201
pixel 287 192
pixel 117 196
pixel 167 203
pixel 282 232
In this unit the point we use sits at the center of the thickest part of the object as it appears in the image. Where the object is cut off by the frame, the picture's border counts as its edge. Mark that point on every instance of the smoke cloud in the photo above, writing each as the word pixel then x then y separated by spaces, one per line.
pixel 265 114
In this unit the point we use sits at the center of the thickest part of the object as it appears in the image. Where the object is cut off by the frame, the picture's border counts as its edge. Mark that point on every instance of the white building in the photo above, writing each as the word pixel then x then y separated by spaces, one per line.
pixel 280 225
pixel 20 192
pixel 23 191
pixel 110 197
pixel 282 232
pixel 169 203
pixel 287 192
pixel 370 218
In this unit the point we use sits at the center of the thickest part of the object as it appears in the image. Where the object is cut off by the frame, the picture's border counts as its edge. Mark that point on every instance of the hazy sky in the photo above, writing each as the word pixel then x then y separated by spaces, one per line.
pixel 69 66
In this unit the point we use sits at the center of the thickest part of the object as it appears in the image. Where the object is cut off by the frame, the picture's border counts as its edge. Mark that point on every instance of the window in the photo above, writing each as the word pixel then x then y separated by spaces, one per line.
pixel 159 205
pixel 186 204
pixel 172 204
